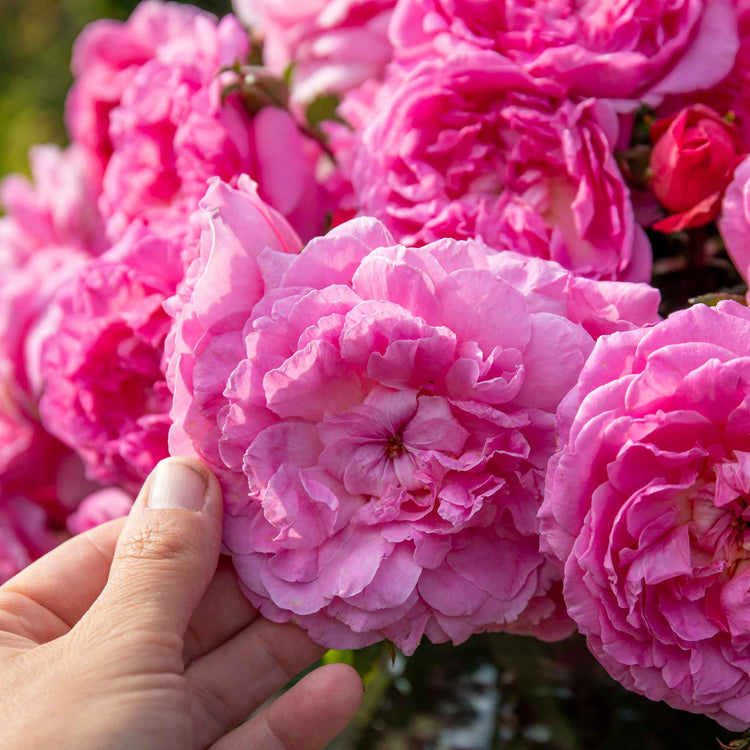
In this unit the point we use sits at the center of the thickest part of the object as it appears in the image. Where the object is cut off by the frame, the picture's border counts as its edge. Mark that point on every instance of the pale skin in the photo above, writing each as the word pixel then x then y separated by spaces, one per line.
pixel 130 636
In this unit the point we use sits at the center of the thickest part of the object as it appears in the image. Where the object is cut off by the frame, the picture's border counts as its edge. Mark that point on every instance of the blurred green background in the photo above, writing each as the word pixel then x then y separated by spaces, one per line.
pixel 36 38
pixel 494 691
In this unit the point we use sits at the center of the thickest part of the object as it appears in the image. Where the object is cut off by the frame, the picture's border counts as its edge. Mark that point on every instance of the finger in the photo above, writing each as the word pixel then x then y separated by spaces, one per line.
pixel 306 717
pixel 231 682
pixel 46 599
pixel 165 557
pixel 222 613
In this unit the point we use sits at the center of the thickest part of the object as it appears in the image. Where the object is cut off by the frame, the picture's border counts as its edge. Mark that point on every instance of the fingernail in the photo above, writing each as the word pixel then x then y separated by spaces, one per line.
pixel 175 485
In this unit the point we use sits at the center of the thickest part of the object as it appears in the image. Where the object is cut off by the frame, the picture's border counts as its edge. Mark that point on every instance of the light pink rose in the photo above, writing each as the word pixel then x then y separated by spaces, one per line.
pixel 98 508
pixel 333 45
pixel 474 148
pixel 381 420
pixel 152 92
pixel 101 359
pixel 631 50
pixel 734 220
pixel 646 507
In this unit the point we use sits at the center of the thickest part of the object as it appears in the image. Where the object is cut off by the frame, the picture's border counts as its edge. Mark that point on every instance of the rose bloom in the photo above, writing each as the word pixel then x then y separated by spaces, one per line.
pixel 734 220
pixel 381 420
pixel 333 46
pixel 694 156
pixel 646 507
pixel 101 358
pixel 474 148
pixel 149 100
pixel 631 50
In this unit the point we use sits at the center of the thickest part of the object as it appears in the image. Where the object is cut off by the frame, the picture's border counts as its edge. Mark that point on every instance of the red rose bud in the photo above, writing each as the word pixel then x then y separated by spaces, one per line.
pixel 695 153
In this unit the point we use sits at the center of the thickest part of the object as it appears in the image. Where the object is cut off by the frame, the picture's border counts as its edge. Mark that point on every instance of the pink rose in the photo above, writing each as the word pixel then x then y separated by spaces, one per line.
pixel 632 50
pixel 734 221
pixel 333 46
pixel 98 508
pixel 475 148
pixel 154 86
pixel 646 508
pixel 381 420
pixel 101 359
pixel 694 156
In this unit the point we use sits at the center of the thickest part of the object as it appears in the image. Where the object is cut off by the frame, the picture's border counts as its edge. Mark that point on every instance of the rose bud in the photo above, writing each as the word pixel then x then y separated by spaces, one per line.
pixel 695 153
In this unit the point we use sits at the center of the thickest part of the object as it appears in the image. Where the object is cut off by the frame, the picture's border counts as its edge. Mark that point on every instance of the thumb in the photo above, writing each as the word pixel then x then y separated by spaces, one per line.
pixel 166 554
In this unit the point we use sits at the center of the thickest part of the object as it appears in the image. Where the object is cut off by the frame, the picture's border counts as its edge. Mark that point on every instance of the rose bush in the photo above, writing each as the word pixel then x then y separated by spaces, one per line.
pixel 381 419
pixel 694 157
pixel 473 147
pixel 631 50
pixel 647 509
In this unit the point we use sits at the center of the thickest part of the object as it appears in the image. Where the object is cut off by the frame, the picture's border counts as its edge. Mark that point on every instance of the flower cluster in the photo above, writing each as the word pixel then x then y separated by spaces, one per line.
pixel 383 265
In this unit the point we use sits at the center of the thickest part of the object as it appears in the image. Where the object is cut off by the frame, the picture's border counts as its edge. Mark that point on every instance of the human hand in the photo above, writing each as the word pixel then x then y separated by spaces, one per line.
pixel 129 636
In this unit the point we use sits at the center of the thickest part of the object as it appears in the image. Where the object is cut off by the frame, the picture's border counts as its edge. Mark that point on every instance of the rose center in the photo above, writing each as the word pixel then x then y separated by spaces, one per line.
pixel 394 446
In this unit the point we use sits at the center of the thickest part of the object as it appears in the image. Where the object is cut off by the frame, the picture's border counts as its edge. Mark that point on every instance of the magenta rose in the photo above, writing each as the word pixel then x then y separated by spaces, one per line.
pixel 381 420
pixel 332 46
pixel 475 148
pixel 632 50
pixel 734 220
pixel 646 508
pixel 151 95
pixel 695 154
pixel 105 395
